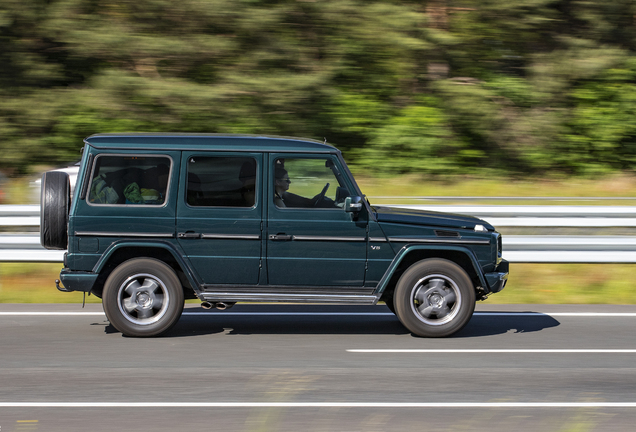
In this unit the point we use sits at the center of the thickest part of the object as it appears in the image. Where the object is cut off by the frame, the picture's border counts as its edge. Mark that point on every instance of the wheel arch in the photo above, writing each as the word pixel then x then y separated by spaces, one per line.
pixel 122 251
pixel 411 254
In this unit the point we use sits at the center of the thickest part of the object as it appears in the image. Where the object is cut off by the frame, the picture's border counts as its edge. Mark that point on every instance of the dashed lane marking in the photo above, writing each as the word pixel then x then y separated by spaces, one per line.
pixel 494 351
pixel 318 404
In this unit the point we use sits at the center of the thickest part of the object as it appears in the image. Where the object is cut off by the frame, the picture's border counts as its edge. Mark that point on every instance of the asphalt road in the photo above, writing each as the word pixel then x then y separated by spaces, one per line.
pixel 319 368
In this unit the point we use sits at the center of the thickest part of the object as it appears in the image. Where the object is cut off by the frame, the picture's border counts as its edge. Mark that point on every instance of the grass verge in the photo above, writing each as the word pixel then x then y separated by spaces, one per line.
pixel 618 185
pixel 569 284
pixel 21 190
pixel 529 283
pixel 35 283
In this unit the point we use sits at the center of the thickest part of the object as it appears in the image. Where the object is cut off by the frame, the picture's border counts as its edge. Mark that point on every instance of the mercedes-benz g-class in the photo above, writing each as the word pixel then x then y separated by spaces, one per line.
pixel 159 218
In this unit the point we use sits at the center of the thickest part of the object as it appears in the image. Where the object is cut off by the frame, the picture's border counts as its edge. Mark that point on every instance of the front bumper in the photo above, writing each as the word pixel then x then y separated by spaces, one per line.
pixel 497 280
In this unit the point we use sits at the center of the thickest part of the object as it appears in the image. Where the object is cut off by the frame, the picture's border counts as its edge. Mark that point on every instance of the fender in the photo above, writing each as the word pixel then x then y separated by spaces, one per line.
pixel 173 249
pixel 402 253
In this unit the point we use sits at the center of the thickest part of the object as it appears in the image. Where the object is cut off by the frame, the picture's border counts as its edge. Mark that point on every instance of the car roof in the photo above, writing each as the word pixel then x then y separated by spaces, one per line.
pixel 219 142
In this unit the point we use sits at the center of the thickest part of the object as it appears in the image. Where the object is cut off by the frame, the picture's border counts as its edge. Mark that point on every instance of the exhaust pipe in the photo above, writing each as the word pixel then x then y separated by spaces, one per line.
pixel 218 305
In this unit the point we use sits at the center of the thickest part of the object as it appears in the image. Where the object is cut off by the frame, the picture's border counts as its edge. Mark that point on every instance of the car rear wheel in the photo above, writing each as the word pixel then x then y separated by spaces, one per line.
pixel 143 297
pixel 434 298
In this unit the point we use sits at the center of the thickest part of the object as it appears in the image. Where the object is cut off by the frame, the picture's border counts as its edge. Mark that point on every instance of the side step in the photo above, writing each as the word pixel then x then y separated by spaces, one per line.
pixel 226 297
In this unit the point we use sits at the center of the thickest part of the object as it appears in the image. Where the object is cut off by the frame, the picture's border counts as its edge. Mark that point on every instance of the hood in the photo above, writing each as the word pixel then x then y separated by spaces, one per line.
pixel 427 217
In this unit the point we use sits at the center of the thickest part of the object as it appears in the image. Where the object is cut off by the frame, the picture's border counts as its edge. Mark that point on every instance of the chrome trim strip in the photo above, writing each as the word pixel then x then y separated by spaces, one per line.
pixel 436 240
pixel 288 289
pixel 121 234
pixel 307 298
pixel 231 236
pixel 377 239
pixel 328 238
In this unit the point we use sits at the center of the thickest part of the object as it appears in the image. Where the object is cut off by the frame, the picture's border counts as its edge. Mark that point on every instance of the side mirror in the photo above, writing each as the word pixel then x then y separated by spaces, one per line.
pixel 353 204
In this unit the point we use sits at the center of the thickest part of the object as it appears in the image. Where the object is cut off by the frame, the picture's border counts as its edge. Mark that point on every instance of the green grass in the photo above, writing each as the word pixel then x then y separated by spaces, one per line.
pixel 34 283
pixel 620 185
pixel 19 190
pixel 569 284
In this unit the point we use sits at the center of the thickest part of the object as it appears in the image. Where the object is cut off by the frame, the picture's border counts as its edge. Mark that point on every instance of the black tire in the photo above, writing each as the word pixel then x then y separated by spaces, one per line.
pixel 434 298
pixel 143 297
pixel 55 200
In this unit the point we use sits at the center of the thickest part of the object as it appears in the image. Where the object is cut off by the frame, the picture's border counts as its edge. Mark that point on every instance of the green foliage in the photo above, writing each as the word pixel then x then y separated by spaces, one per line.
pixel 603 123
pixel 417 138
pixel 434 87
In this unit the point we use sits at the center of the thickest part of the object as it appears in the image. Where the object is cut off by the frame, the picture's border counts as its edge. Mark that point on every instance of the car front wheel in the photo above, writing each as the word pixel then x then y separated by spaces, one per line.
pixel 434 298
pixel 143 297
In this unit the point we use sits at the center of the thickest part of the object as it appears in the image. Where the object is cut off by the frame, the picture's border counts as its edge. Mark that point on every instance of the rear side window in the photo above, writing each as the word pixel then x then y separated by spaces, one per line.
pixel 221 181
pixel 133 180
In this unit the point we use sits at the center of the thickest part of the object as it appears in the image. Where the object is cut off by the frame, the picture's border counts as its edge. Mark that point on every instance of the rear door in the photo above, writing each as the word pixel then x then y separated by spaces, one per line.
pixel 219 215
pixel 129 195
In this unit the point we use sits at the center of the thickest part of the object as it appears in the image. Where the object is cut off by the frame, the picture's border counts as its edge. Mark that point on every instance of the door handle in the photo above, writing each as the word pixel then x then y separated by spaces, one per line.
pixel 280 237
pixel 189 235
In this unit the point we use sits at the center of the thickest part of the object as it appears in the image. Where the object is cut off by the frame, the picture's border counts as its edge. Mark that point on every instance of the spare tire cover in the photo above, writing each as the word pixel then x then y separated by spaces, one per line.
pixel 54 207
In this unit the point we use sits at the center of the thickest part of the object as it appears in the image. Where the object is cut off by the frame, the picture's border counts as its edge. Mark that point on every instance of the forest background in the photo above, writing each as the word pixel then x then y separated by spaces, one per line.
pixel 500 91
pixel 519 88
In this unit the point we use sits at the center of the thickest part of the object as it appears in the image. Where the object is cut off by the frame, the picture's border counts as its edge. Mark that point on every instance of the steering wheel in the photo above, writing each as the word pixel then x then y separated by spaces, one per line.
pixel 321 195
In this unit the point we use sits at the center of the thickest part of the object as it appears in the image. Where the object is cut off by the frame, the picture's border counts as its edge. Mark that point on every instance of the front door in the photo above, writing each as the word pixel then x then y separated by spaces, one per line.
pixel 219 215
pixel 311 240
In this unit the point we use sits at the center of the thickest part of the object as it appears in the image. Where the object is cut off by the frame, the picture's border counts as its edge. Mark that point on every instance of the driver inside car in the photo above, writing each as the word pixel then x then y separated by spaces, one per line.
pixel 283 198
pixel 281 185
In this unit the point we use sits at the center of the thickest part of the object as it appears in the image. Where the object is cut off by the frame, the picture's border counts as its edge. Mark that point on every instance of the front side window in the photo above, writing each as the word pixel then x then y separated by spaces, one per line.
pixel 308 183
pixel 221 181
pixel 141 180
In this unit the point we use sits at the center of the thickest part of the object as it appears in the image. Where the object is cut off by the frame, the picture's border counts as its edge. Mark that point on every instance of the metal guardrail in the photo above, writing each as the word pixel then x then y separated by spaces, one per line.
pixel 520 249
pixel 541 216
pixel 19 215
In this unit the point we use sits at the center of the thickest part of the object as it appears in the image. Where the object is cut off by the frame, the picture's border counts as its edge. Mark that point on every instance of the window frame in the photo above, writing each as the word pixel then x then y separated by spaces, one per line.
pixel 218 156
pixel 324 157
pixel 143 155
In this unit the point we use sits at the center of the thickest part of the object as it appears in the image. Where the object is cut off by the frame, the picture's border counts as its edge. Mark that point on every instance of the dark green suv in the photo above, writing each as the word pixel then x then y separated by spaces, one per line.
pixel 159 218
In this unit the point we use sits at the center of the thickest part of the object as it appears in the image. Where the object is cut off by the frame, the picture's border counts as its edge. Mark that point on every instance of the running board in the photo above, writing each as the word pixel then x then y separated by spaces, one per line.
pixel 287 298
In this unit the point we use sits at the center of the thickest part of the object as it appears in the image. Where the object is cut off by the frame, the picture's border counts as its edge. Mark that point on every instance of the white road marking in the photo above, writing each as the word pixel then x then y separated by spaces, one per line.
pixel 497 351
pixel 515 314
pixel 317 404
pixel 214 313
pixel 221 313
pixel 49 313
pixel 293 313
pixel 562 314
